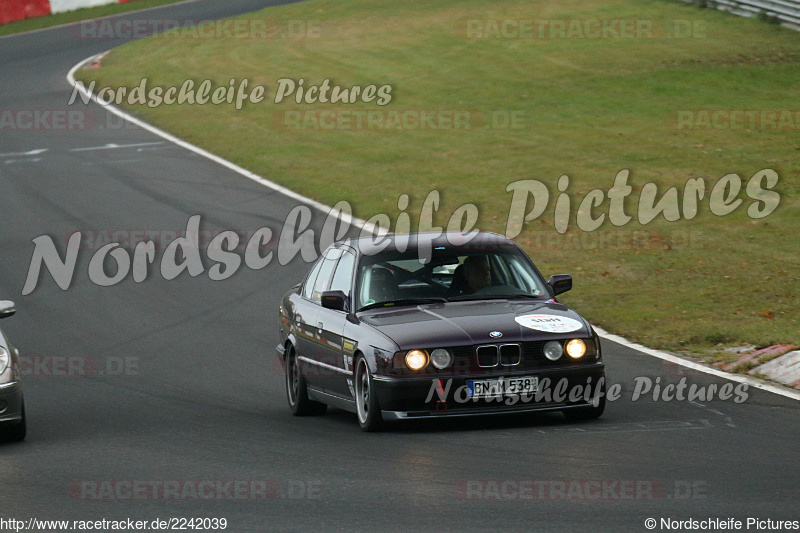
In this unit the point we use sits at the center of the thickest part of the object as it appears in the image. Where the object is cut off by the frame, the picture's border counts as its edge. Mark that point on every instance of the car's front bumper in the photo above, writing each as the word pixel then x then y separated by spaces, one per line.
pixel 415 398
pixel 11 401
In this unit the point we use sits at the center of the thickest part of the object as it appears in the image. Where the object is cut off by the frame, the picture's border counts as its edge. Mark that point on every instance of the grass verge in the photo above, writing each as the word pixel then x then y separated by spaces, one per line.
pixel 585 107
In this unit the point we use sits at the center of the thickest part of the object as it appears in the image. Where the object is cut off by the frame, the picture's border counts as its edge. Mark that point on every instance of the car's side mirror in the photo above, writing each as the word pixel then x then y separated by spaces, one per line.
pixel 7 308
pixel 560 283
pixel 336 300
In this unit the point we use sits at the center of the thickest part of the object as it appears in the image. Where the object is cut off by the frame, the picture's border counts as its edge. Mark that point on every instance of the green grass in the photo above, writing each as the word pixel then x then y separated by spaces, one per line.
pixel 591 108
pixel 86 13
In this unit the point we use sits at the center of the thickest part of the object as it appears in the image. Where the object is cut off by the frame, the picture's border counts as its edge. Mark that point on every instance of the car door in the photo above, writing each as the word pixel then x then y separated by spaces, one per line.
pixel 305 317
pixel 339 356
pixel 323 348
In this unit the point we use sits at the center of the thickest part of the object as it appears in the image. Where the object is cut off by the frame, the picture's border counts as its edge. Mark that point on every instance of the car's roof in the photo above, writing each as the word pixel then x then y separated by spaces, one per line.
pixel 435 239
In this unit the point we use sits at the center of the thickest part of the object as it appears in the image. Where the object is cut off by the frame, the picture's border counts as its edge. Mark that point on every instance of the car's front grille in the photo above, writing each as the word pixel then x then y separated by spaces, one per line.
pixel 527 355
pixel 492 355
pixel 488 356
pixel 510 354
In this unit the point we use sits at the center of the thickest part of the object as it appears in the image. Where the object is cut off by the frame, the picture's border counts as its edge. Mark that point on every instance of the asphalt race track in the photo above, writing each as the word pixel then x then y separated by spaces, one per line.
pixel 177 380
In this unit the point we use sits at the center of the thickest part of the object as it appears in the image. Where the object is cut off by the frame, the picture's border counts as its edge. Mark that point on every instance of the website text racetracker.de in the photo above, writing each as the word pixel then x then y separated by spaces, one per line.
pixel 578 489
pixel 174 490
pixel 60 120
pixel 580 29
pixel 105 524
pixel 397 119
pixel 47 120
pixel 241 28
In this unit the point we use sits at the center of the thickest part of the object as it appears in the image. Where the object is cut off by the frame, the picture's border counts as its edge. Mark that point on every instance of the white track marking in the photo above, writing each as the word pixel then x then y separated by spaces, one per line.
pixel 31 152
pixel 739 378
pixel 14 161
pixel 112 146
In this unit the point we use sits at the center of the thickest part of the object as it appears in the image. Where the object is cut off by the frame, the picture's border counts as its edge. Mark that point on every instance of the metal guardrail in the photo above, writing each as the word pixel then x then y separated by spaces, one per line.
pixel 785 12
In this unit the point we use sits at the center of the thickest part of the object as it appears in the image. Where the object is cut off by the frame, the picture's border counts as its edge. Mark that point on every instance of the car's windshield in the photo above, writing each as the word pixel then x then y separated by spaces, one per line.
pixel 453 273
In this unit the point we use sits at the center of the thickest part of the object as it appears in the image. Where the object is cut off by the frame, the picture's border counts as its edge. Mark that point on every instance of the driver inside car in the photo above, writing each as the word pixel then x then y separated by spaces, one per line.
pixel 382 286
pixel 471 276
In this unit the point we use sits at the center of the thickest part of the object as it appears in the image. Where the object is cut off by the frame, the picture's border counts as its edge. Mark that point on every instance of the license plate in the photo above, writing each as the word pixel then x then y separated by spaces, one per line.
pixel 502 386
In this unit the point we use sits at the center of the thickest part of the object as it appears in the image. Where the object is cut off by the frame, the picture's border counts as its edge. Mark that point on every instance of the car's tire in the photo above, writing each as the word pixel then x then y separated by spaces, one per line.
pixel 591 412
pixel 296 391
pixel 367 409
pixel 14 431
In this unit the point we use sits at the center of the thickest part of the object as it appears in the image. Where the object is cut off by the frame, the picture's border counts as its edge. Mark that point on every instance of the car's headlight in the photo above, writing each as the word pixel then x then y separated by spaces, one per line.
pixel 441 358
pixel 576 348
pixel 553 350
pixel 416 359
pixel 4 358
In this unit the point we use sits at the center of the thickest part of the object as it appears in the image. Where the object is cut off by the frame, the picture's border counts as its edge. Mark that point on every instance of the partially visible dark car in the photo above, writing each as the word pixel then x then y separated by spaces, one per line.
pixel 12 404
pixel 426 325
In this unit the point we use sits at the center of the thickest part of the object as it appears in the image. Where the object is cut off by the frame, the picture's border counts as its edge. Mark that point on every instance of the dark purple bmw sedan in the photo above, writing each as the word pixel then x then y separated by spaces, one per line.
pixel 435 325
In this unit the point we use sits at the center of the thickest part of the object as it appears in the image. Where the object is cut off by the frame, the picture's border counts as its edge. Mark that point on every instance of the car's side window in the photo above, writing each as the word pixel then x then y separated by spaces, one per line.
pixel 325 274
pixel 312 277
pixel 344 273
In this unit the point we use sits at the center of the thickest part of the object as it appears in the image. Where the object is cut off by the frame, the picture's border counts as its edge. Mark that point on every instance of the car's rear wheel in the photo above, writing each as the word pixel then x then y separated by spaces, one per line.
pixel 14 431
pixel 296 391
pixel 367 409
pixel 588 413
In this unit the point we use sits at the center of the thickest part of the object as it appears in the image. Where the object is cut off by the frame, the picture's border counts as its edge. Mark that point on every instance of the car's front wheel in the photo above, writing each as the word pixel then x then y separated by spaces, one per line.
pixel 367 409
pixel 296 391
pixel 14 431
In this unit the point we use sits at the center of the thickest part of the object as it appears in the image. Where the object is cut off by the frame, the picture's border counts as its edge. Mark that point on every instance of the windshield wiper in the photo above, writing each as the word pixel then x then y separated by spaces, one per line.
pixel 405 301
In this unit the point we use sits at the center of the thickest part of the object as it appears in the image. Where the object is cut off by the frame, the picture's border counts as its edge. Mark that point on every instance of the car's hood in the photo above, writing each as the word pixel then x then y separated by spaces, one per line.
pixel 476 322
